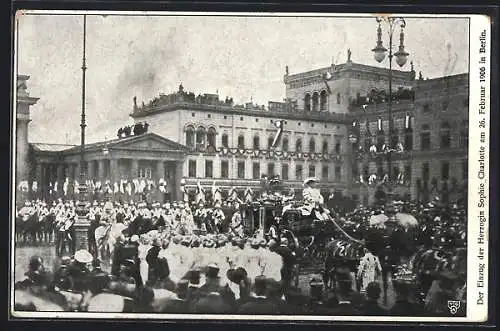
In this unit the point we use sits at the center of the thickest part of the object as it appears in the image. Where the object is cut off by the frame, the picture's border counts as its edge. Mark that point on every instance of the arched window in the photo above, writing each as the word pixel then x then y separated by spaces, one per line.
pixel 241 142
pixel 315 101
pixel 211 138
pixel 444 133
pixel 256 142
pixel 225 140
pixel 325 147
pixel 298 146
pixel 307 102
pixel 270 142
pixel 323 101
pixel 201 136
pixel 338 98
pixel 312 146
pixel 190 136
pixel 285 144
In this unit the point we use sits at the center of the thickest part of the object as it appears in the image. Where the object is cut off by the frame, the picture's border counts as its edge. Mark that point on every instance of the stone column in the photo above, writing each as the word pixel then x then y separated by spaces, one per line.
pixel 60 179
pixel 134 169
pixel 160 170
pixel 114 171
pixel 77 172
pixel 160 174
pixel 101 169
pixel 176 191
pixel 90 170
pixel 38 179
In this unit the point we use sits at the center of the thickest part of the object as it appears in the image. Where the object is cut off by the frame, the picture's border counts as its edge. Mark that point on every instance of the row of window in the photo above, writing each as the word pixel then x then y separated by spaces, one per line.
pixel 444 139
pixel 256 170
pixel 425 139
pixel 202 139
pixel 445 170
pixel 396 172
pixel 312 102
pixel 444 105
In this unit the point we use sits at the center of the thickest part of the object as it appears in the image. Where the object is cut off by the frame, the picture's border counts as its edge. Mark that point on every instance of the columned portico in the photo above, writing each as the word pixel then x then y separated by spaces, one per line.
pixel 126 162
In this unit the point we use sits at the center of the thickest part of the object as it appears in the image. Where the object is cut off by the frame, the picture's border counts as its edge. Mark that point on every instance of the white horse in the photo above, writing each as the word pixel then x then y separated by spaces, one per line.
pixel 106 236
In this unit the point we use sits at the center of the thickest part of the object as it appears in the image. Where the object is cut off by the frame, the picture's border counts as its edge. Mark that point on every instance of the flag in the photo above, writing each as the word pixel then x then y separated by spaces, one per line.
pixel 116 188
pixel 200 193
pixel 129 188
pixel 65 186
pixel 217 197
pixel 279 125
pixel 326 77
pixel 248 195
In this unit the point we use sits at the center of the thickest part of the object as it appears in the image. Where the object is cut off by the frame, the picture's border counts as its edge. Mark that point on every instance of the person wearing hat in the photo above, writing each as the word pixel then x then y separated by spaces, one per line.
pixel 404 305
pixel 78 270
pixel 176 304
pixel 236 226
pixel 193 276
pixel 288 261
pixel 158 268
pixel 371 306
pixel 213 285
pixel 258 303
pixel 319 303
pixel 313 199
pixel 36 276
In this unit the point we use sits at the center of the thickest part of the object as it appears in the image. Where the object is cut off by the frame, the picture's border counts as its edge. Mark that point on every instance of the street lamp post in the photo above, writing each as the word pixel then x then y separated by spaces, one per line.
pixel 401 58
pixel 82 224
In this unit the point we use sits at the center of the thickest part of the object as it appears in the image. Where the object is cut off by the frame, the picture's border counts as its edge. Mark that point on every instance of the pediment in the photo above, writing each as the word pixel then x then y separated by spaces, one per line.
pixel 149 142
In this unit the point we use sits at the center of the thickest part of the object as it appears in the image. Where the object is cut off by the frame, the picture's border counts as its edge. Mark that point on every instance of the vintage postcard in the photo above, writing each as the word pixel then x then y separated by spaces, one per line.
pixel 250 166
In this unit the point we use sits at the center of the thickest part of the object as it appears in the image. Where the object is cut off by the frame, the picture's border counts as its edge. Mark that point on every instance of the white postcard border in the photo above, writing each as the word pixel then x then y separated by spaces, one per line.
pixel 478 198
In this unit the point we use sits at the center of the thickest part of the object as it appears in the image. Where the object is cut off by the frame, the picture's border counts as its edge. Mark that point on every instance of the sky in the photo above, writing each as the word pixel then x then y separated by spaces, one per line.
pixel 240 57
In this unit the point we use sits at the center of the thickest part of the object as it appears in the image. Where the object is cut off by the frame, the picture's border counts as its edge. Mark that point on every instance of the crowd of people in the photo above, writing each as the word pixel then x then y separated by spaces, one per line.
pixel 184 258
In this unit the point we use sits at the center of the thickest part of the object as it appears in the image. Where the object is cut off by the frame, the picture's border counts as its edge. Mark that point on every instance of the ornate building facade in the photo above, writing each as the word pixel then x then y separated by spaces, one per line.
pixel 333 124
pixel 231 146
pixel 429 141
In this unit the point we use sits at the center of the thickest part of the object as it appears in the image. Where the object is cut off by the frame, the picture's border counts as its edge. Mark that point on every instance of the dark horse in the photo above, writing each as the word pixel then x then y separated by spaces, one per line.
pixel 27 228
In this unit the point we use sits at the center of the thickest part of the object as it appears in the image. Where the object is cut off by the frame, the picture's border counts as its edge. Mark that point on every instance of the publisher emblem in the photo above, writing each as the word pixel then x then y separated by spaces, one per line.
pixel 453 306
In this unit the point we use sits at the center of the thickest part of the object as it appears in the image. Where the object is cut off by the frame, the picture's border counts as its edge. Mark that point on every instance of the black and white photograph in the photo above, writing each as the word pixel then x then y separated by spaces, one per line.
pixel 250 166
